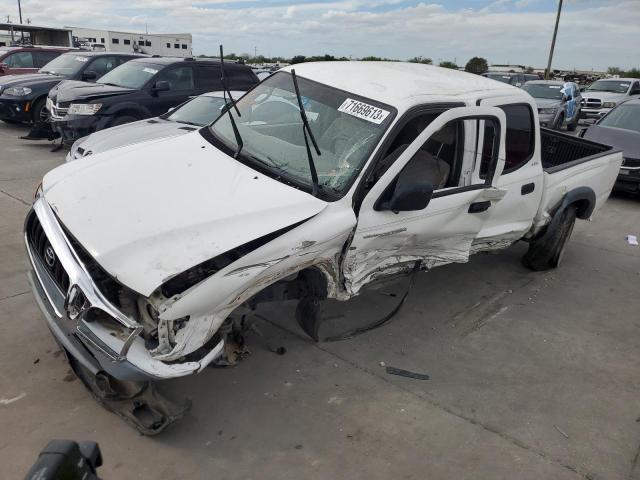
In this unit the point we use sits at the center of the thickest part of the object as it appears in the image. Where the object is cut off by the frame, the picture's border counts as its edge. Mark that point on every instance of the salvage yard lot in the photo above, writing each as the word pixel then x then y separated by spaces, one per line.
pixel 533 375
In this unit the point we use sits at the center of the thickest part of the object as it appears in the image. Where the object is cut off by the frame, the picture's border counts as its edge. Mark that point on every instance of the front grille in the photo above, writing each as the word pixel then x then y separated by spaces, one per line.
pixel 631 162
pixel 591 103
pixel 44 251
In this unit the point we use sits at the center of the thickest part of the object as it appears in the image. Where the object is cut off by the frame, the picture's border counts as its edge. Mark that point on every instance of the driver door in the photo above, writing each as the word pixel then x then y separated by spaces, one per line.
pixel 388 242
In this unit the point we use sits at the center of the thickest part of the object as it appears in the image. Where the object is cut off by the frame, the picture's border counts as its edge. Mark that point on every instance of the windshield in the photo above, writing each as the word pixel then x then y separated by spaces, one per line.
pixel 498 77
pixel 609 86
pixel 130 75
pixel 200 111
pixel 346 127
pixel 541 90
pixel 65 65
pixel 625 116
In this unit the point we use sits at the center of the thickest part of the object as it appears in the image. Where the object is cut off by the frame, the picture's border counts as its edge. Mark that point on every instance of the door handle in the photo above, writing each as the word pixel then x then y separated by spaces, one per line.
pixel 478 207
pixel 527 188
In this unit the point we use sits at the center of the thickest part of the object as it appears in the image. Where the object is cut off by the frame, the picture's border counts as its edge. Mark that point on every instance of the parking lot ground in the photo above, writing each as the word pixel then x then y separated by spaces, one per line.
pixel 532 375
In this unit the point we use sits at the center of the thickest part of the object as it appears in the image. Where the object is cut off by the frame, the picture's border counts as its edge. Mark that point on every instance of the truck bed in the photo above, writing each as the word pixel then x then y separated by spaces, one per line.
pixel 571 162
pixel 560 151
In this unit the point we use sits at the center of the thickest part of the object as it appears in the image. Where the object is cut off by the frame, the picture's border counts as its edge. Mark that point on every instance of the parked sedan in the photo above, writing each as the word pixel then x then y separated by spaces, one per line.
pixel 189 116
pixel 558 103
pixel 621 129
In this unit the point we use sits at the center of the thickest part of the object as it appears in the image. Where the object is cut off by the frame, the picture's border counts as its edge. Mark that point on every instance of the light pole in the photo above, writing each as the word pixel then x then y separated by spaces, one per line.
pixel 547 72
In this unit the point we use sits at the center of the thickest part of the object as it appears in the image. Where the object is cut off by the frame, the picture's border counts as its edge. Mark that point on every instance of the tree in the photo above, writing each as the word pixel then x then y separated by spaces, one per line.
pixel 614 71
pixel 298 59
pixel 477 65
pixel 529 69
pixel 634 73
pixel 424 60
pixel 448 64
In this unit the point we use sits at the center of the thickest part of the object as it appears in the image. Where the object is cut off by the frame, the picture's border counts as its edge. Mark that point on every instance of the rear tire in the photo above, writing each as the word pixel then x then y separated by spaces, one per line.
pixel 547 251
pixel 574 124
pixel 124 119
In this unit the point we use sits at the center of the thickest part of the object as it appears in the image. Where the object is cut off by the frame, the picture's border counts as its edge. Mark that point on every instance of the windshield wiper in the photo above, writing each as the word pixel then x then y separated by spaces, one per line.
pixel 306 131
pixel 225 92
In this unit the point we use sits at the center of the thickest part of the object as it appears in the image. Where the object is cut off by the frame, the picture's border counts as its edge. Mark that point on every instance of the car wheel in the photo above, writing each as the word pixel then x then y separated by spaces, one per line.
pixel 574 123
pixel 559 122
pixel 124 119
pixel 36 110
pixel 547 251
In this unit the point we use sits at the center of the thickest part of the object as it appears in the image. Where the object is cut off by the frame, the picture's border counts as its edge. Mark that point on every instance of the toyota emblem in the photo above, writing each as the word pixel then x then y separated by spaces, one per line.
pixel 50 256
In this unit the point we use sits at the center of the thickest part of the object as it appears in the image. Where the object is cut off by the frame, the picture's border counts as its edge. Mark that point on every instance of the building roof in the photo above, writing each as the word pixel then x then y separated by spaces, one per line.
pixel 398 83
pixel 24 27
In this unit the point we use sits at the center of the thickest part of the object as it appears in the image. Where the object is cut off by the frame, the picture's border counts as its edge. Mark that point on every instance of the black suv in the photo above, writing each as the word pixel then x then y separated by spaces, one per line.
pixel 142 88
pixel 22 97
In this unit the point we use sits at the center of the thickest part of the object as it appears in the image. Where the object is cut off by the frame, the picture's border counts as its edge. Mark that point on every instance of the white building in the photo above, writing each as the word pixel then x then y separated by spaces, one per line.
pixel 167 45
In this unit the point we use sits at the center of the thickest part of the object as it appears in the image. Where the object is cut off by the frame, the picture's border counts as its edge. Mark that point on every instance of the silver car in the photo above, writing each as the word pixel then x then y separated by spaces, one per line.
pixel 558 103
pixel 191 115
pixel 603 95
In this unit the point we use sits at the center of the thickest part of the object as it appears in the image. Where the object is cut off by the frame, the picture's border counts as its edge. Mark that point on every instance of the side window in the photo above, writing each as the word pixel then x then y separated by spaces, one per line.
pixel 519 142
pixel 20 60
pixel 103 65
pixel 42 58
pixel 208 78
pixel 180 78
pixel 240 79
pixel 439 160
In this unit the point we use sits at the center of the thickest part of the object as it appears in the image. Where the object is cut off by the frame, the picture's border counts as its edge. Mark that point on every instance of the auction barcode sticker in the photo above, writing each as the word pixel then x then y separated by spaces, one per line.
pixel 363 110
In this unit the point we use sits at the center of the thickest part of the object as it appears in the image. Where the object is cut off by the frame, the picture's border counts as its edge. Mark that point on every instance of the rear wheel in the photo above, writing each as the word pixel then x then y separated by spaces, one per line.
pixel 574 123
pixel 547 251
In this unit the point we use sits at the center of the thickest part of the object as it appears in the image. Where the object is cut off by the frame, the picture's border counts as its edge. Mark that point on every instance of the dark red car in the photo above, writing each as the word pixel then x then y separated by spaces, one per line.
pixel 17 60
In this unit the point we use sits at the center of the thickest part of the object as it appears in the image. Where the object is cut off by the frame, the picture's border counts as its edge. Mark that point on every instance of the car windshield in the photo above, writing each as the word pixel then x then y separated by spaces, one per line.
pixel 499 77
pixel 625 116
pixel 130 75
pixel 541 90
pixel 65 65
pixel 347 128
pixel 199 111
pixel 609 86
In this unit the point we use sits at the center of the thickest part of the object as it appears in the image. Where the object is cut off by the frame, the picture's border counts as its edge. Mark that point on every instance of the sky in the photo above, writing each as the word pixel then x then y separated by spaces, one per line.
pixel 593 34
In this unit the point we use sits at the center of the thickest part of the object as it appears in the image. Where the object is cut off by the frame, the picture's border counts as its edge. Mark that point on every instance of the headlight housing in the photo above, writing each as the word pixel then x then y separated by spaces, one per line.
pixel 84 108
pixel 18 91
pixel 609 104
pixel 547 111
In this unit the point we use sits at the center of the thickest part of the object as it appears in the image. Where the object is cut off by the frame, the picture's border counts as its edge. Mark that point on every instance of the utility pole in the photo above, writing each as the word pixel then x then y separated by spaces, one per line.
pixel 20 15
pixel 547 72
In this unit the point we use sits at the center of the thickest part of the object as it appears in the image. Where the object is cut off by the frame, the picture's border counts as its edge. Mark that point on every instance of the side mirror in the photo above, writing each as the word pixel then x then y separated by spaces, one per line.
pixel 4 67
pixel 89 75
pixel 161 86
pixel 171 109
pixel 409 195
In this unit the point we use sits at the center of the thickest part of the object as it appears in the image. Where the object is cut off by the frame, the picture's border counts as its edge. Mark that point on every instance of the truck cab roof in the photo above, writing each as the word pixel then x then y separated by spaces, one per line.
pixel 403 85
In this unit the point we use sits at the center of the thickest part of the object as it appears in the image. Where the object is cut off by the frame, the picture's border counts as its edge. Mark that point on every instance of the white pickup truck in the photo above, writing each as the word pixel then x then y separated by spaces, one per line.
pixel 325 180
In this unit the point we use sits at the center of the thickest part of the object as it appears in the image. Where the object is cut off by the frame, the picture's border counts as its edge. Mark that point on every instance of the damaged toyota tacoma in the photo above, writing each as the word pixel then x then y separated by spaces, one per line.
pixel 320 181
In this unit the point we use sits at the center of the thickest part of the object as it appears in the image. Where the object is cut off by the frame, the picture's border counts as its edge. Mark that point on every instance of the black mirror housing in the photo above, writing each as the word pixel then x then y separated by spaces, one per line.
pixel 410 195
pixel 161 86
pixel 89 75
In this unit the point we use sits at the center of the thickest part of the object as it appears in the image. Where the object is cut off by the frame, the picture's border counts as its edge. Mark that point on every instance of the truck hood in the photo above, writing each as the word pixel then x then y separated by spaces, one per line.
pixel 28 80
pixel 150 211
pixel 605 96
pixel 548 103
pixel 619 138
pixel 72 90
pixel 132 133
